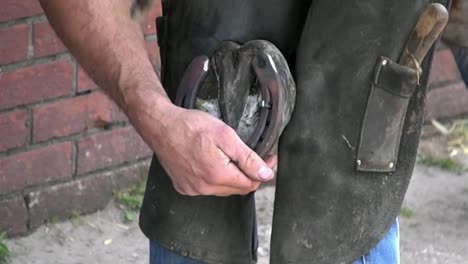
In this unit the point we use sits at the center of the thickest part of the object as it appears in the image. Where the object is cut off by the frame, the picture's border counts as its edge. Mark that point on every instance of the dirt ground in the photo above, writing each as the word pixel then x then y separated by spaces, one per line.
pixel 434 227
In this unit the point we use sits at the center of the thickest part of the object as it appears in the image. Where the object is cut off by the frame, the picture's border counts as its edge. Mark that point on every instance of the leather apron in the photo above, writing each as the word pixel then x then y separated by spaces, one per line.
pixel 347 155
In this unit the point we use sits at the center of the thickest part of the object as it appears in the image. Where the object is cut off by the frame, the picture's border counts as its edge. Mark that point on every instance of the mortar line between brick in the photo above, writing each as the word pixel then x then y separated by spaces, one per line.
pixel 35 104
pixel 30 40
pixel 59 140
pixel 74 75
pixel 24 20
pixel 33 62
pixel 74 159
pixel 26 205
pixel 29 124
pixel 115 168
pixel 11 195
pixel 45 101
pixel 110 169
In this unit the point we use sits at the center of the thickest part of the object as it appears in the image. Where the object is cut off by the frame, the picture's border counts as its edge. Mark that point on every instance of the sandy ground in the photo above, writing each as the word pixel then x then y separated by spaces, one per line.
pixel 437 232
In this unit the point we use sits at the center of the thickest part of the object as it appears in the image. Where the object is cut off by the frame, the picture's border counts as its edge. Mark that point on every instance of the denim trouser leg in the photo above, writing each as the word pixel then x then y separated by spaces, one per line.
pixel 387 251
pixel 161 255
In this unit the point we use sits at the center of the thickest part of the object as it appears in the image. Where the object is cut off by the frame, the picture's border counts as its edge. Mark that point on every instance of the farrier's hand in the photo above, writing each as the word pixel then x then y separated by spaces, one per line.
pixel 201 154
pixel 204 156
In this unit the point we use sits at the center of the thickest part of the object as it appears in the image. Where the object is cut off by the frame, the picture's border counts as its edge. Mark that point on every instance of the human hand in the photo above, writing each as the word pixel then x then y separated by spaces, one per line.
pixel 204 156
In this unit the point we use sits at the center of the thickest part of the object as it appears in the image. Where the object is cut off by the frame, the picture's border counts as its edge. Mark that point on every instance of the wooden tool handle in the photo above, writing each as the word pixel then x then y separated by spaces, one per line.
pixel 430 25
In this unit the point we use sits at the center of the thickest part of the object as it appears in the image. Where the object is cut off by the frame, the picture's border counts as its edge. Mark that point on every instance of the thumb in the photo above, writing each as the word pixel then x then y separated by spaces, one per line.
pixel 247 160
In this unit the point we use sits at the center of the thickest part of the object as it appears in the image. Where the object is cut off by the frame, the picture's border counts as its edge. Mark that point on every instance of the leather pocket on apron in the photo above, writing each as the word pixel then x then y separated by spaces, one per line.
pixel 392 87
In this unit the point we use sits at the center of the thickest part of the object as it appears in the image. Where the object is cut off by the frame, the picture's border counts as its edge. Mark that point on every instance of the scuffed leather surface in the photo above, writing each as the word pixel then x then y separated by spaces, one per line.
pixel 212 229
pixel 326 211
pixel 392 86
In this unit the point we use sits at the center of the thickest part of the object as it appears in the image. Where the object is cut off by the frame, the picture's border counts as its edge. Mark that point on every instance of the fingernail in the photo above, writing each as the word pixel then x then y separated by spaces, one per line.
pixel 266 173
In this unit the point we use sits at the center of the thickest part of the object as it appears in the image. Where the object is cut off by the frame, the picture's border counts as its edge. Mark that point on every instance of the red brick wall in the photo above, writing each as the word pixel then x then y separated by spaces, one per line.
pixel 448 96
pixel 63 144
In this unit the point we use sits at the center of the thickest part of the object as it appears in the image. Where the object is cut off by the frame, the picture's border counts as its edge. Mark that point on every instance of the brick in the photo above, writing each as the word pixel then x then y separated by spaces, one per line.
pixel 26 169
pixel 14 45
pixel 46 41
pixel 14 216
pixel 13 9
pixel 61 118
pixel 130 175
pixel 110 148
pixel 102 111
pixel 444 68
pixel 149 24
pixel 153 53
pixel 447 102
pixel 84 82
pixel 73 115
pixel 61 201
pixel 12 129
pixel 35 83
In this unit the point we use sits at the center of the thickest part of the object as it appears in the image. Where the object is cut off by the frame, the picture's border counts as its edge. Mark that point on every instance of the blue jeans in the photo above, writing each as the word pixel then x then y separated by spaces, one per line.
pixel 387 251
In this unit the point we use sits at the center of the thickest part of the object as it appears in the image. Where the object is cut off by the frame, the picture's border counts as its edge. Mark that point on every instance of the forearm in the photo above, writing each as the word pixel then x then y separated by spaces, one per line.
pixel 201 154
pixel 110 46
